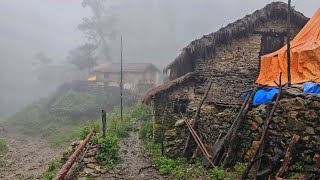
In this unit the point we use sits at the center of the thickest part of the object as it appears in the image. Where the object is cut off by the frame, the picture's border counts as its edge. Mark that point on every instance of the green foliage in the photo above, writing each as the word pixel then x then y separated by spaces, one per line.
pixel 293 175
pixel 2 163
pixel 141 111
pixel 116 127
pixel 146 130
pixel 109 151
pixel 3 147
pixel 216 174
pixel 165 165
pixel 57 118
pixel 237 171
pixel 94 139
pixel 84 132
pixel 78 101
pixel 53 168
pixel 298 167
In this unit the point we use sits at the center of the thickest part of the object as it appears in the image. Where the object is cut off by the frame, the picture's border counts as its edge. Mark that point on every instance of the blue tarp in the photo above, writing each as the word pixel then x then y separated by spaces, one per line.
pixel 311 88
pixel 263 96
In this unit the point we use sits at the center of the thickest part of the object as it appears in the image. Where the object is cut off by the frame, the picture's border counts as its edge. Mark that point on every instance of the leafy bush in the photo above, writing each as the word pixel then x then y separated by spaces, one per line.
pixel 165 165
pixel 109 151
pixel 84 132
pixel 53 168
pixel 146 130
pixel 141 111
pixel 3 147
pixel 217 174
pixel 78 101
pixel 116 127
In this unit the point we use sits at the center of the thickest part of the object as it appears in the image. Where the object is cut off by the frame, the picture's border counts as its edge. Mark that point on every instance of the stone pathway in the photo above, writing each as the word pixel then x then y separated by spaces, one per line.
pixel 134 164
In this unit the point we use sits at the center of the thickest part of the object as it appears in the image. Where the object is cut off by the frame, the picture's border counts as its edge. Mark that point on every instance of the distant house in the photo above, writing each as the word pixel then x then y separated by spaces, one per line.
pixel 138 77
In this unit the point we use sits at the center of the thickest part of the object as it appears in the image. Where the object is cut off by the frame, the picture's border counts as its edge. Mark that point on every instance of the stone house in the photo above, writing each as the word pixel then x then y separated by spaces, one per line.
pixel 231 57
pixel 138 77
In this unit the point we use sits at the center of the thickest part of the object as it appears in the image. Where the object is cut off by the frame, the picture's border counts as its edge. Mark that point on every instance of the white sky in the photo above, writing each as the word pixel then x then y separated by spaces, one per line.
pixel 30 26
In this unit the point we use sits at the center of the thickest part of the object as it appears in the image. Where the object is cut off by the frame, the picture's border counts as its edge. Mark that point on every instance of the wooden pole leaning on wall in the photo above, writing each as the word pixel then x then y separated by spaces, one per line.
pixel 196 117
pixel 66 167
pixel 288 44
pixel 288 156
pixel 265 128
pixel 104 123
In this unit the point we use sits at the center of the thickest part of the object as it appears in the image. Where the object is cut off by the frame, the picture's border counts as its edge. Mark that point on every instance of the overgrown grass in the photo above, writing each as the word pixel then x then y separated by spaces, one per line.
pixel 2 163
pixel 56 122
pixel 53 168
pixel 3 150
pixel 3 147
pixel 141 111
pixel 109 151
pixel 78 101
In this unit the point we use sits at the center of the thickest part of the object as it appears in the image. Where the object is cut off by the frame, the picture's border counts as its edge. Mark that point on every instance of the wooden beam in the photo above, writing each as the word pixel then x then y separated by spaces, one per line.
pixel 288 156
pixel 264 133
pixel 288 44
pixel 196 117
pixel 66 167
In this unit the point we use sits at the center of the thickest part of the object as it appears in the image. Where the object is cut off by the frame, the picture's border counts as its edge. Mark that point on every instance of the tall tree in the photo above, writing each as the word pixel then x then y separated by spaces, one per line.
pixel 99 28
pixel 83 57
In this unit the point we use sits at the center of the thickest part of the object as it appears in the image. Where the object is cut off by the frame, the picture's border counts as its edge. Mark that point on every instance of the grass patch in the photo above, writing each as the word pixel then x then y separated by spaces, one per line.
pixel 53 167
pixel 59 118
pixel 141 112
pixel 109 151
pixel 3 163
pixel 3 147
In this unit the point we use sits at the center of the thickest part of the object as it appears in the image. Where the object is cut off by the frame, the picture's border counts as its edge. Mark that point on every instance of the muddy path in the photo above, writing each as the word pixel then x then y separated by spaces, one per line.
pixel 27 158
pixel 134 164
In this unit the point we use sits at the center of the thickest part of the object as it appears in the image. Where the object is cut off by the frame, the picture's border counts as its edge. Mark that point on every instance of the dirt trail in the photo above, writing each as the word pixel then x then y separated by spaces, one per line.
pixel 27 157
pixel 134 164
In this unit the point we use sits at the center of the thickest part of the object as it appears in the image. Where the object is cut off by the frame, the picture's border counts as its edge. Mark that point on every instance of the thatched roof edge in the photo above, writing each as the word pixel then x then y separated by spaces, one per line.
pixel 167 86
pixel 240 28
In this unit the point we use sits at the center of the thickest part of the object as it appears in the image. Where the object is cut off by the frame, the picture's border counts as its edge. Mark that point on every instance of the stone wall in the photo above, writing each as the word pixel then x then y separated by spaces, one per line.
pixel 238 62
pixel 299 115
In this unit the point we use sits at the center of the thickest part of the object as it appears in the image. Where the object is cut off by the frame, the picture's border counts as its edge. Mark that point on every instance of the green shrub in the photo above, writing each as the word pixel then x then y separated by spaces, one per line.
pixel 3 147
pixel 141 111
pixel 216 174
pixel 84 132
pixel 165 165
pixel 109 151
pixel 293 175
pixel 146 130
pixel 116 127
pixel 298 167
pixel 53 168
pixel 2 163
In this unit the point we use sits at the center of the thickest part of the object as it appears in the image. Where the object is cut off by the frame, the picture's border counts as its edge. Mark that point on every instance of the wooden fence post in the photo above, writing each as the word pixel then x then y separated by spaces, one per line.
pixel 104 123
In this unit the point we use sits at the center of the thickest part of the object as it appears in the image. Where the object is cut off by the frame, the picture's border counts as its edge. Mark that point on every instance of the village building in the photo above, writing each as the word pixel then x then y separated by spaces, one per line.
pixel 230 58
pixel 138 77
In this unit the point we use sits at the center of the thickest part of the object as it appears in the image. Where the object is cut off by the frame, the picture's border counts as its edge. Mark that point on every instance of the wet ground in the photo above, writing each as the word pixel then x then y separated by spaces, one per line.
pixel 27 158
pixel 134 164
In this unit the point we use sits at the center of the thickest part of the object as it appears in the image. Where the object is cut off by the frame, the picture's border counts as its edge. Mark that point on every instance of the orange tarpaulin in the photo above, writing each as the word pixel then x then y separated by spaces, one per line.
pixel 305 57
